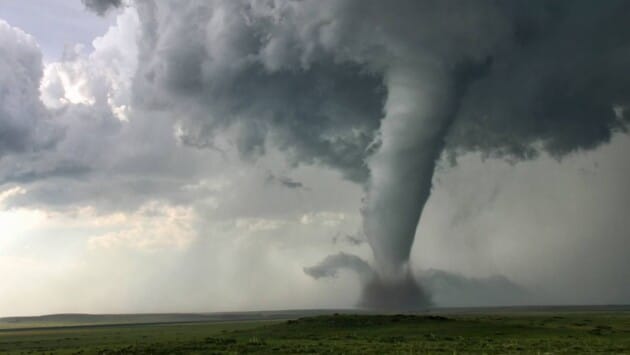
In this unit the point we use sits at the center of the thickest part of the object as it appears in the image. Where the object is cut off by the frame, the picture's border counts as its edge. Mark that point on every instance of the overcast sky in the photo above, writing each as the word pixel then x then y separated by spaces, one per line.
pixel 160 157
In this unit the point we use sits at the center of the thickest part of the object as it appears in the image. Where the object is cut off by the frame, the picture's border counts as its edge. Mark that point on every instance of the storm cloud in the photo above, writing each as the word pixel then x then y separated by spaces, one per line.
pixel 377 91
pixel 380 90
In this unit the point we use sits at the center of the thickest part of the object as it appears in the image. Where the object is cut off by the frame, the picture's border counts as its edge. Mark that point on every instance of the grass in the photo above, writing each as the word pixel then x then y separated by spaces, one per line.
pixel 500 333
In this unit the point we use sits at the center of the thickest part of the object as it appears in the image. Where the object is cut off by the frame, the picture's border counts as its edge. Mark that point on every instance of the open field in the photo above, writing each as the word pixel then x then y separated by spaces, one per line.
pixel 565 331
pixel 75 320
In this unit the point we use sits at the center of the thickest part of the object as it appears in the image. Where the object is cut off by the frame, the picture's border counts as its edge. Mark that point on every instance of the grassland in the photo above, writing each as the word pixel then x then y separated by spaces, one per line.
pixel 451 333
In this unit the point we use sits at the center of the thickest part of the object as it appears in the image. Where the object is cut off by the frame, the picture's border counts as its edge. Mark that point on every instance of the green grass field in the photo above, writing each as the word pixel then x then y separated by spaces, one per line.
pixel 450 333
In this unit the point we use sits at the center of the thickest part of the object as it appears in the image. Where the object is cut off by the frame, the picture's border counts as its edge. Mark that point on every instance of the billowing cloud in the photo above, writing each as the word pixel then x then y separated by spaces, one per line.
pixel 25 124
pixel 104 158
pixel 380 90
pixel 376 91
pixel 559 85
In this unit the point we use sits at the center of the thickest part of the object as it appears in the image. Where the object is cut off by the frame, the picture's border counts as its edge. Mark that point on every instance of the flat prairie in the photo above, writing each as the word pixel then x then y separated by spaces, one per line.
pixel 534 330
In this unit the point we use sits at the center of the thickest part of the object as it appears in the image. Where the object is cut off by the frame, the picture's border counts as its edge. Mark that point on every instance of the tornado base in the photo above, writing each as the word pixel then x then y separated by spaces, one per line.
pixel 404 295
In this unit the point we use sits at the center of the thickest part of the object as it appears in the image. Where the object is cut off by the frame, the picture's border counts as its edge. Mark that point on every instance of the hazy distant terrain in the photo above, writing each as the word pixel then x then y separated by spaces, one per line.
pixel 95 320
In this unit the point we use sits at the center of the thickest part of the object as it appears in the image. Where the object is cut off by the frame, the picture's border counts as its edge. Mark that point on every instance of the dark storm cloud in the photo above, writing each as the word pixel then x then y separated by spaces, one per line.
pixel 314 78
pixel 320 111
pixel 561 84
pixel 331 119
pixel 551 73
pixel 101 6
pixel 378 90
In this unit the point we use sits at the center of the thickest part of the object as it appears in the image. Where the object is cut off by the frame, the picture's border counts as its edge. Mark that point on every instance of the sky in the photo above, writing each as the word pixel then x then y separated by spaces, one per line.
pixel 253 155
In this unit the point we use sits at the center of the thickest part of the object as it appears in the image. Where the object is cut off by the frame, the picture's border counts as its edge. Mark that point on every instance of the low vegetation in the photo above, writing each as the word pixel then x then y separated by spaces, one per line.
pixel 501 333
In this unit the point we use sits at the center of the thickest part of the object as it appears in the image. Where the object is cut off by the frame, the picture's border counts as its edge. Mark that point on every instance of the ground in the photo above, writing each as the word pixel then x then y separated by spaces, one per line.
pixel 452 332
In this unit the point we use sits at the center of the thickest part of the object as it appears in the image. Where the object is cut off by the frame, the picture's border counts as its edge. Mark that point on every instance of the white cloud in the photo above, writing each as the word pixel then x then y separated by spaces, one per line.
pixel 103 75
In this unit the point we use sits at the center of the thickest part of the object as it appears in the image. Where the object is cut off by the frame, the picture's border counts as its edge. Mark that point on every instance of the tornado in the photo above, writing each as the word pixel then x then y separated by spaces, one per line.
pixel 401 170
pixel 418 111
pixel 401 173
